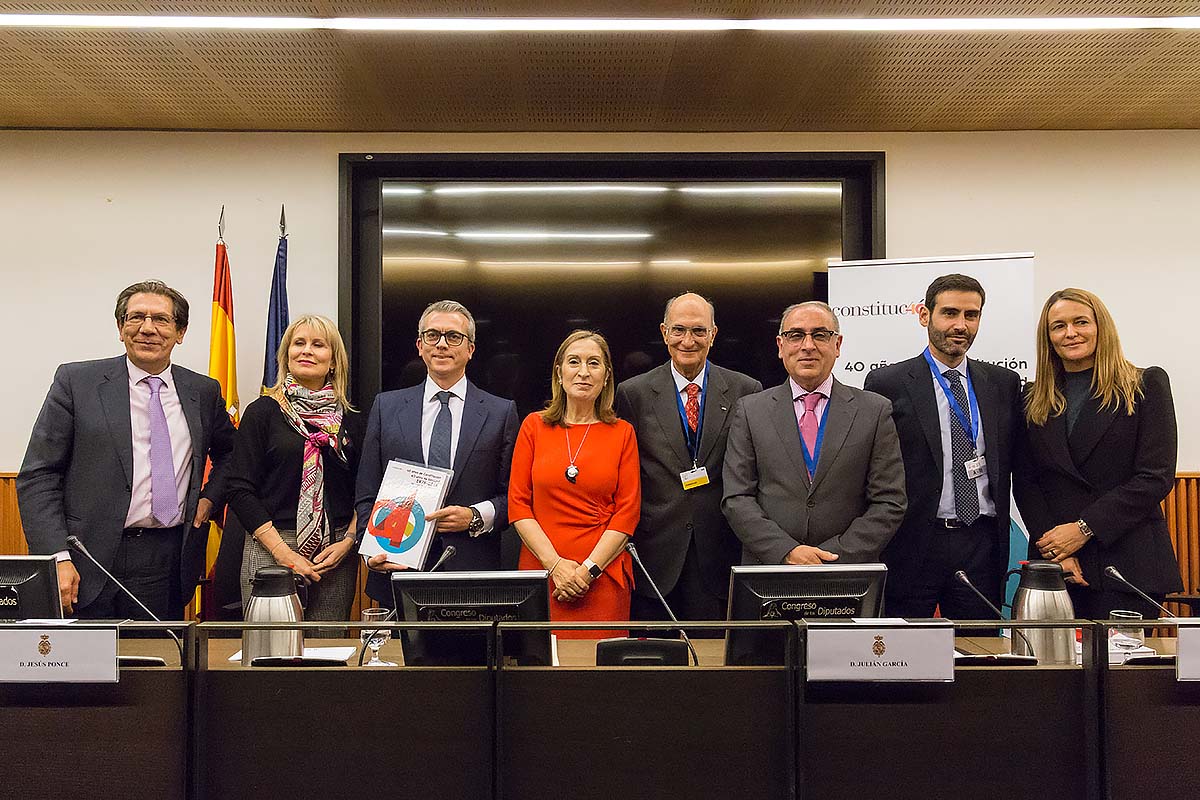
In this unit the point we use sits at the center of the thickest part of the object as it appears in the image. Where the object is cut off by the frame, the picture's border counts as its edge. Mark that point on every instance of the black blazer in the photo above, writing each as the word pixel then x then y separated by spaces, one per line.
pixel 1113 473
pixel 671 517
pixel 909 385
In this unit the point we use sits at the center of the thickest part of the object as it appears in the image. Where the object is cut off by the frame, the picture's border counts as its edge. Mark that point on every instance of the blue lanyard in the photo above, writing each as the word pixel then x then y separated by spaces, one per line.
pixel 811 459
pixel 969 424
pixel 693 440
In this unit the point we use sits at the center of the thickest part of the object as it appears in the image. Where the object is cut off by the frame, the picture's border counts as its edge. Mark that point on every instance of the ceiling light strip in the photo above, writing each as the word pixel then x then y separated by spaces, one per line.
pixel 602 25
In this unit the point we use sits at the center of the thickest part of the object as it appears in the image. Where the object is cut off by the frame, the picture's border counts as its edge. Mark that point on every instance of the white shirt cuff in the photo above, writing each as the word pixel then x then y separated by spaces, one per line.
pixel 62 555
pixel 487 510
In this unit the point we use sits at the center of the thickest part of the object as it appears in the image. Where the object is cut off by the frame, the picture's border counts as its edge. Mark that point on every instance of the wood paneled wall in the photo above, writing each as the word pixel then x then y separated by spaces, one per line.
pixel 1182 509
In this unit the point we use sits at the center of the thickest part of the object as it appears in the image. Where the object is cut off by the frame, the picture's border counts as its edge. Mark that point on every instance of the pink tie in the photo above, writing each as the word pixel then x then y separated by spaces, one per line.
pixel 809 425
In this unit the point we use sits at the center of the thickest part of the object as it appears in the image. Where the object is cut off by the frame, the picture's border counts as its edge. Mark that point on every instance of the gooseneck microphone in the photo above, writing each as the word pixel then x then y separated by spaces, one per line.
pixel 682 633
pixel 1116 575
pixel 446 555
pixel 75 544
pixel 962 578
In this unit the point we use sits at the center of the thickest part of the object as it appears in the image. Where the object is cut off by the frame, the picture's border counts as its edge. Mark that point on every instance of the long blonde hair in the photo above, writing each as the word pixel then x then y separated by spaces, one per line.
pixel 339 365
pixel 1115 381
pixel 556 410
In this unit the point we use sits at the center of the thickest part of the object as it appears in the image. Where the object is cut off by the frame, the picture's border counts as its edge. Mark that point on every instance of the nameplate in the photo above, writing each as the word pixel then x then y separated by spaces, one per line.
pixel 58 655
pixel 880 650
pixel 1187 649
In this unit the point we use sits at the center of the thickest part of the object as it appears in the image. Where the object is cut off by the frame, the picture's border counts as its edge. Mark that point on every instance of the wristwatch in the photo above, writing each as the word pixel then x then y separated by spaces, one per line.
pixel 593 568
pixel 475 527
pixel 1085 529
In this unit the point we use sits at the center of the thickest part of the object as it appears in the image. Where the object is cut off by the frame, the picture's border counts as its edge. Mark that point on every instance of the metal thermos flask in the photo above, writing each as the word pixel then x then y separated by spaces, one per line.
pixel 1042 595
pixel 273 599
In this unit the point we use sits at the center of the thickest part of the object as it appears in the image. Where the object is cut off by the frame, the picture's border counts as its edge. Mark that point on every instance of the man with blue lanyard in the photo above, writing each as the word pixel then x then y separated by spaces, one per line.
pixel 681 411
pixel 812 471
pixel 958 421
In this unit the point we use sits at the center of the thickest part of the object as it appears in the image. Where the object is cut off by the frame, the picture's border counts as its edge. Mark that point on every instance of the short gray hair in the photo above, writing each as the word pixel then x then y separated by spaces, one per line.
pixel 447 307
pixel 712 310
pixel 837 326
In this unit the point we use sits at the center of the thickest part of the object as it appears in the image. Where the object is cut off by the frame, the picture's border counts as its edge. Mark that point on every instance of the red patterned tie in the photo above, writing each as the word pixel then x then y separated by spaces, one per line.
pixel 808 423
pixel 692 406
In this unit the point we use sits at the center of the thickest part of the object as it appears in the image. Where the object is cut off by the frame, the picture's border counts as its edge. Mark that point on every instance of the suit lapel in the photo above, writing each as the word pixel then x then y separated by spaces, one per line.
pixel 472 423
pixel 189 399
pixel 716 409
pixel 114 399
pixel 989 413
pixel 1089 429
pixel 839 415
pixel 920 389
pixel 1055 434
pixel 783 415
pixel 408 423
pixel 666 414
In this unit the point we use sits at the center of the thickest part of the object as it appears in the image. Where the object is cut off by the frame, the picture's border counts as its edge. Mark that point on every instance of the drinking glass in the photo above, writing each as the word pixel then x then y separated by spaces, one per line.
pixel 1127 637
pixel 376 638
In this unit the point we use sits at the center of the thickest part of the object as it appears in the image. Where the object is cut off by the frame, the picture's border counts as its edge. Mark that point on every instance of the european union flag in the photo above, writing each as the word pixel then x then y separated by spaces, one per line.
pixel 277 315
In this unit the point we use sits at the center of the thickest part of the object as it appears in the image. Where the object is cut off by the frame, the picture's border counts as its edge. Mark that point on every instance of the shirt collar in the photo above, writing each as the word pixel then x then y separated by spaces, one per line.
pixel 943 366
pixel 137 374
pixel 798 391
pixel 459 389
pixel 682 382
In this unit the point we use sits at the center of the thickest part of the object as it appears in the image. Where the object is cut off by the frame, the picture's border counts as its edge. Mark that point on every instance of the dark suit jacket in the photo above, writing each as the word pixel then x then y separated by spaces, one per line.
pixel 671 517
pixel 481 467
pixel 909 385
pixel 77 475
pixel 1113 472
pixel 854 502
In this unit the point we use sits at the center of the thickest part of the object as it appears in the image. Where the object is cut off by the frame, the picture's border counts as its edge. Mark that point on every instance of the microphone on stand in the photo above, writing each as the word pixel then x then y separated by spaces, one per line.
pixel 682 633
pixel 75 544
pixel 1116 575
pixel 446 555
pixel 962 578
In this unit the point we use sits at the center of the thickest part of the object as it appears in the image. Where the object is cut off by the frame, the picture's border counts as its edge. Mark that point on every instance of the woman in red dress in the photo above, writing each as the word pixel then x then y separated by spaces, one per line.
pixel 575 491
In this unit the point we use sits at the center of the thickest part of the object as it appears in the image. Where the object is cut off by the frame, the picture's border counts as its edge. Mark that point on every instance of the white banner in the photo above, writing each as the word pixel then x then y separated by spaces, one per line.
pixel 878 305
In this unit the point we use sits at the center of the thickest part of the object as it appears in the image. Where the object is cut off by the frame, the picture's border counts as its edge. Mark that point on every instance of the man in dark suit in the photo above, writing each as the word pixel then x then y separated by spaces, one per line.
pixel 812 471
pixel 958 440
pixel 117 459
pixel 681 413
pixel 444 421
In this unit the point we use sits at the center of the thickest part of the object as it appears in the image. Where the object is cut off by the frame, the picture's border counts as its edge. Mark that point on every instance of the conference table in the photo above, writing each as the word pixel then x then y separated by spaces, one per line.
pixel 206 727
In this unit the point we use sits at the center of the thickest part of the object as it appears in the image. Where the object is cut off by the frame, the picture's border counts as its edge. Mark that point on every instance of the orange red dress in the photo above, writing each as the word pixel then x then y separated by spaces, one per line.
pixel 606 495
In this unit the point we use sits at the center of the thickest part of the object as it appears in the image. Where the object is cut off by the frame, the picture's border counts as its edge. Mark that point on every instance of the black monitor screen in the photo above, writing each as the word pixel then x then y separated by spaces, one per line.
pixel 29 588
pixel 468 597
pixel 790 592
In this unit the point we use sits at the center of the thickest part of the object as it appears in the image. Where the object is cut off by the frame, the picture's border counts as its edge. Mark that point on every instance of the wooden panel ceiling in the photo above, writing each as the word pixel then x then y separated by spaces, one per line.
pixel 732 81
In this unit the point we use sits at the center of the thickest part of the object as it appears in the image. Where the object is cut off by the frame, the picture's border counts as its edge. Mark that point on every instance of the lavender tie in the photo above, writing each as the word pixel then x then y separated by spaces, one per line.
pixel 164 497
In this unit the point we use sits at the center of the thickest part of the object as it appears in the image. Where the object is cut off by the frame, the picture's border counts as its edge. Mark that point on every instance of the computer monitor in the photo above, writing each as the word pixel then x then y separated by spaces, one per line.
pixel 450 597
pixel 787 592
pixel 29 588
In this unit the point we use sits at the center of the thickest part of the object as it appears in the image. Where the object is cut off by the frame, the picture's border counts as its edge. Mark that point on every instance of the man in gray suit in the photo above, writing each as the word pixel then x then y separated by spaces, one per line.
pixel 813 472
pixel 681 412
pixel 117 459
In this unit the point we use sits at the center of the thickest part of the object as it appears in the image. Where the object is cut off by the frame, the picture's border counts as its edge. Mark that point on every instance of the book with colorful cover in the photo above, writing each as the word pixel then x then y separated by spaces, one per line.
pixel 398 527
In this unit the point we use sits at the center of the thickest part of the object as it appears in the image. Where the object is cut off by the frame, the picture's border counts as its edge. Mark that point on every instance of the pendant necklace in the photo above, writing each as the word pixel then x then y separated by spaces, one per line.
pixel 573 471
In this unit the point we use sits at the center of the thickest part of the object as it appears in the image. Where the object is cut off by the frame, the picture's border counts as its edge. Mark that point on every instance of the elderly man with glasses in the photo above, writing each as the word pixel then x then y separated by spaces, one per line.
pixel 117 459
pixel 813 472
pixel 445 421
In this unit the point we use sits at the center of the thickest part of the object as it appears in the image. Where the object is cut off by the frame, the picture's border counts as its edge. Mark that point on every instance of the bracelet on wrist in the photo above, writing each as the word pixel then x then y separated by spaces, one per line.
pixel 556 563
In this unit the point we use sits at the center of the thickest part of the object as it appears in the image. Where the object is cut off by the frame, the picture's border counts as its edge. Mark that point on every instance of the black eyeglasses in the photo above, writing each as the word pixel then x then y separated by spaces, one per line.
pixel 453 338
pixel 798 335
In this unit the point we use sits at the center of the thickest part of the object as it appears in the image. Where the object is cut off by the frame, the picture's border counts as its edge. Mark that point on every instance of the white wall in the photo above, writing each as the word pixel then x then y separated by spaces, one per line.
pixel 83 214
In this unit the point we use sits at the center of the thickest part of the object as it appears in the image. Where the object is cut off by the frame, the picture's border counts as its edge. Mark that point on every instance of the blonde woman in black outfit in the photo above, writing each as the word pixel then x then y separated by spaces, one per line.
pixel 1099 457
pixel 294 465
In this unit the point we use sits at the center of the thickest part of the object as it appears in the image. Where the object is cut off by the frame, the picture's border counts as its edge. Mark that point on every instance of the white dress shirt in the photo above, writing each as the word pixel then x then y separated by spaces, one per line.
pixel 946 508
pixel 430 408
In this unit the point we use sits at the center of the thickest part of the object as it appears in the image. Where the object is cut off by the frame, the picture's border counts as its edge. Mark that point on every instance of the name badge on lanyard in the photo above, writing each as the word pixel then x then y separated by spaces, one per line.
pixel 968 419
pixel 696 476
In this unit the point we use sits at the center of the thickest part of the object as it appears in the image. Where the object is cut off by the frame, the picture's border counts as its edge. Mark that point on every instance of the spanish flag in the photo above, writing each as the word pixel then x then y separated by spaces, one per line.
pixel 222 367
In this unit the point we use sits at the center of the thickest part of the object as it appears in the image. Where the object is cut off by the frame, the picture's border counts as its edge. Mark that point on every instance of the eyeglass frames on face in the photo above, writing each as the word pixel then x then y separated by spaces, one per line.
pixel 136 319
pixel 679 331
pixel 453 338
pixel 819 336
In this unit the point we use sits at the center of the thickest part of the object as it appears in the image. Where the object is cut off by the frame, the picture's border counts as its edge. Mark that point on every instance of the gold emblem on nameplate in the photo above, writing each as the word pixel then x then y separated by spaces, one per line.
pixel 879 648
pixel 44 646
